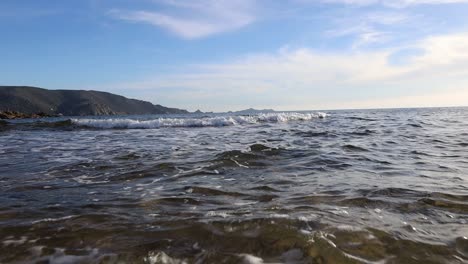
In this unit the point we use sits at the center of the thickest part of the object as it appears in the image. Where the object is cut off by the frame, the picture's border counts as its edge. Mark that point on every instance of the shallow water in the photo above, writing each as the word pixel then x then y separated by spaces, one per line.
pixel 373 186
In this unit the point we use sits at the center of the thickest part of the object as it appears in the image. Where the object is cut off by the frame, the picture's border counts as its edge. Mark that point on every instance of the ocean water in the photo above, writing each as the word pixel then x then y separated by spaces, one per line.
pixel 369 186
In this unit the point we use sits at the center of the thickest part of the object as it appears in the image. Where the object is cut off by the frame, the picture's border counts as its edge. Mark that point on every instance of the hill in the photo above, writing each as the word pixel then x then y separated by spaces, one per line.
pixel 33 100
pixel 252 111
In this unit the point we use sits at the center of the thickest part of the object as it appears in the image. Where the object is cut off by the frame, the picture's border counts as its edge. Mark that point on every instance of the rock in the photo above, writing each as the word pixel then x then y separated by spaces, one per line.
pixel 17 115
pixel 259 147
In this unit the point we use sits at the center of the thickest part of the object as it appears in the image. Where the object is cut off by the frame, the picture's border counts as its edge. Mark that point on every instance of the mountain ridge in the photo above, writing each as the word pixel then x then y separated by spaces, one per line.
pixel 33 100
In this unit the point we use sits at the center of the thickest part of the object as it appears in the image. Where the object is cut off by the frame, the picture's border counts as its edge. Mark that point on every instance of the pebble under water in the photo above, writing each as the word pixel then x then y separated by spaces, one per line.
pixel 368 186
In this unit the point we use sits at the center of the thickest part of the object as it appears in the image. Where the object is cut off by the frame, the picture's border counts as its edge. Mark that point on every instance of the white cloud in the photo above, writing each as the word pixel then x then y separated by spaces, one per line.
pixel 196 18
pixel 449 97
pixel 396 3
pixel 386 18
pixel 364 34
pixel 309 79
pixel 366 27
pixel 405 3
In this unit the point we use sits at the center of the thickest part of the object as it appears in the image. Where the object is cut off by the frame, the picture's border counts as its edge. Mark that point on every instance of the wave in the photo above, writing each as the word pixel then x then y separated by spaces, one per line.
pixel 220 121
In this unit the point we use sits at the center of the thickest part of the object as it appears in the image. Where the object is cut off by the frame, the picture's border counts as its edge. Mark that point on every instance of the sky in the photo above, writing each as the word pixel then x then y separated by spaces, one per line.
pixel 219 55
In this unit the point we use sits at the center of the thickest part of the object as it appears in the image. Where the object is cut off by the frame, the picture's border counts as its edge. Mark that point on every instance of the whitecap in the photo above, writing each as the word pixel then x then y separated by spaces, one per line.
pixel 217 121
pixel 250 259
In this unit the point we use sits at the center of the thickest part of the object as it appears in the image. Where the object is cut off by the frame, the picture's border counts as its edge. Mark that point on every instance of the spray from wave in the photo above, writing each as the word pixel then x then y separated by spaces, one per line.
pixel 219 121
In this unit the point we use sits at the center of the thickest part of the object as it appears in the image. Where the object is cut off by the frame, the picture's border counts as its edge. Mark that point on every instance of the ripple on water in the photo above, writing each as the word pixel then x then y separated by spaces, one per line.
pixel 379 186
pixel 268 240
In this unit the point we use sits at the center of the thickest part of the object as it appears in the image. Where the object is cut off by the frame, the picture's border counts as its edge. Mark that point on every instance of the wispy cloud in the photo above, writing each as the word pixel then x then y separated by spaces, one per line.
pixel 366 28
pixel 310 78
pixel 385 18
pixel 196 18
pixel 395 3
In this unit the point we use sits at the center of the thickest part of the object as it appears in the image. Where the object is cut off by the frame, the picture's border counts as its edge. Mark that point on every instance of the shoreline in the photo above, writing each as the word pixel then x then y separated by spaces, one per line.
pixel 9 115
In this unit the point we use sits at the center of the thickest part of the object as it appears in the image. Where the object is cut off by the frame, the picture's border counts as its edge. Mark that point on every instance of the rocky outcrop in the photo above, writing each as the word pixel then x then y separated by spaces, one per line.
pixel 15 115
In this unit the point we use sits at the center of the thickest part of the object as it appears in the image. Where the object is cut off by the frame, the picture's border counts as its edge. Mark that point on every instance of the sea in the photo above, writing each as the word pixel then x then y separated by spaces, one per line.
pixel 349 186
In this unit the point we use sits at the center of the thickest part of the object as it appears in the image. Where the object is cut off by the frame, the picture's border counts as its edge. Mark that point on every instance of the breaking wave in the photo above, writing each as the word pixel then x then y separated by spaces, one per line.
pixel 218 121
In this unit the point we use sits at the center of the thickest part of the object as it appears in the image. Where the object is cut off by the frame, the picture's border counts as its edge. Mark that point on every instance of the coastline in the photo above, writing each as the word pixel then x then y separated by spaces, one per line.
pixel 7 115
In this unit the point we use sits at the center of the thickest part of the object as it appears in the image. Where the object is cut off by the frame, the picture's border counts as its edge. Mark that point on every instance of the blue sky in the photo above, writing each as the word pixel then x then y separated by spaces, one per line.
pixel 218 55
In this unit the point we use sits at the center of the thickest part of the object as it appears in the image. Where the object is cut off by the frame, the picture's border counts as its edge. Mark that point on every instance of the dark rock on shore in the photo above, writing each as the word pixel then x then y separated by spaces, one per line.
pixel 16 115
pixel 27 102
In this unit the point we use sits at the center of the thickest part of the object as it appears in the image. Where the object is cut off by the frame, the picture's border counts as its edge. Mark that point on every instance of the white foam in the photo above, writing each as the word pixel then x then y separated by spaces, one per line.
pixel 279 216
pixel 217 214
pixel 54 219
pixel 250 259
pixel 162 258
pixel 60 256
pixel 322 114
pixel 218 121
pixel 20 241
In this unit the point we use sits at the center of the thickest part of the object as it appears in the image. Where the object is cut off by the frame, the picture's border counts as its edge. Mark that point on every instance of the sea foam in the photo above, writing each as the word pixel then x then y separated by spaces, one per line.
pixel 216 121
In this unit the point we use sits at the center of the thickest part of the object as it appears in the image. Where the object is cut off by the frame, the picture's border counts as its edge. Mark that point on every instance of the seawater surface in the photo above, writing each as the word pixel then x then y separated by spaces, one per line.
pixel 370 186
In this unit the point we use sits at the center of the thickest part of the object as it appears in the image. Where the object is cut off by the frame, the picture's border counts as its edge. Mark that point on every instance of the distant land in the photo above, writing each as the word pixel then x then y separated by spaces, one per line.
pixel 36 102
pixel 252 111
